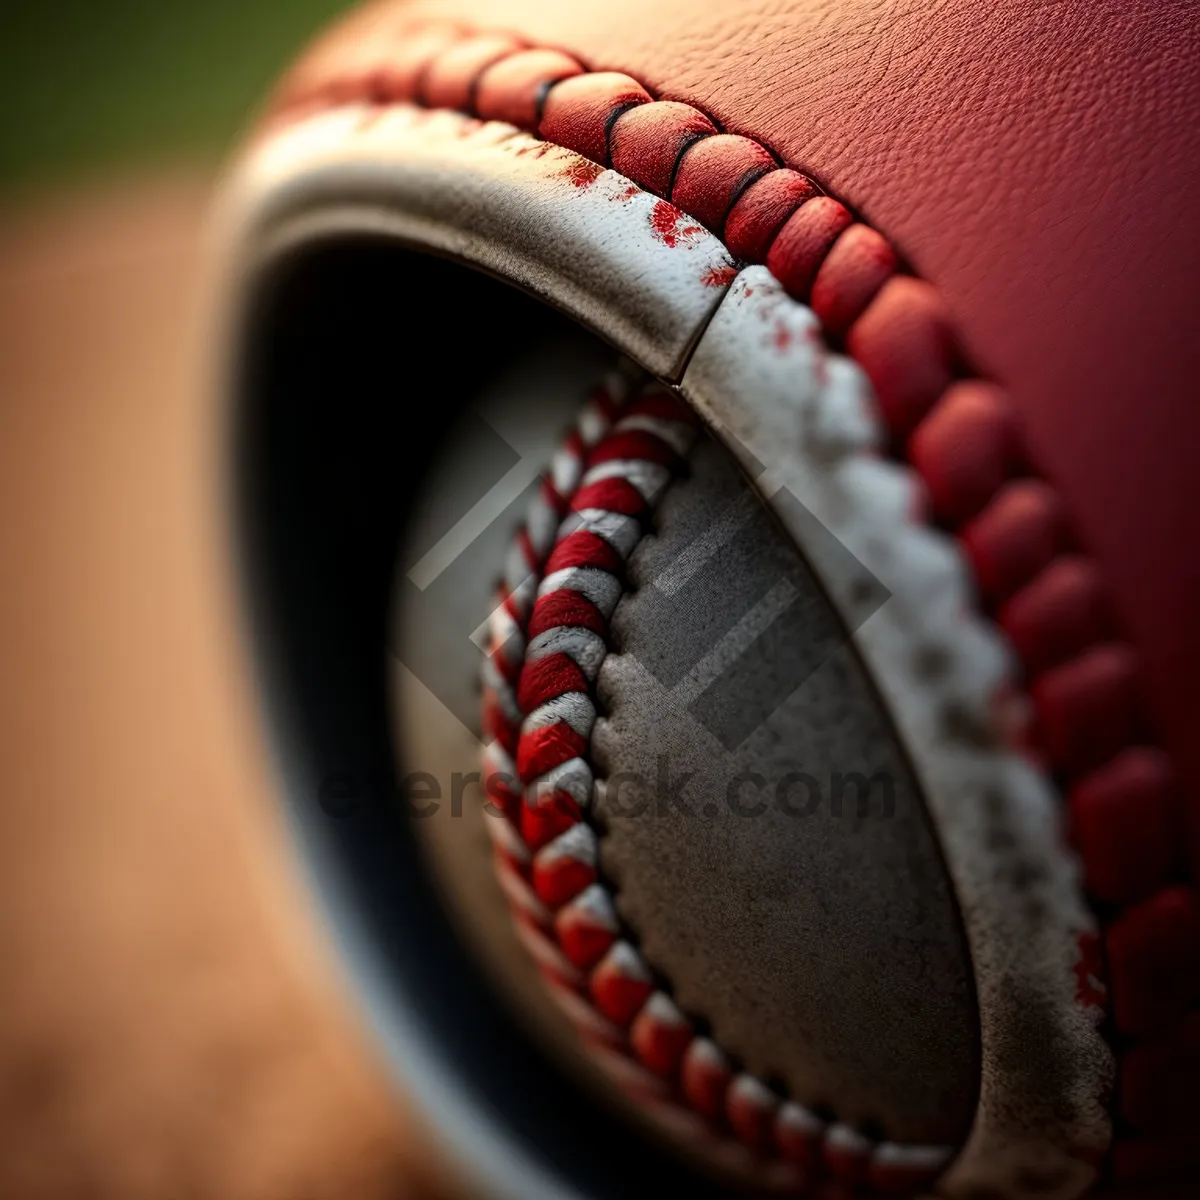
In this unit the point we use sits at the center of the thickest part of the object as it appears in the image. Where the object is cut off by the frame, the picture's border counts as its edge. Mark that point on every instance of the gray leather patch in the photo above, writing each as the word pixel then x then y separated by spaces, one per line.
pixel 767 841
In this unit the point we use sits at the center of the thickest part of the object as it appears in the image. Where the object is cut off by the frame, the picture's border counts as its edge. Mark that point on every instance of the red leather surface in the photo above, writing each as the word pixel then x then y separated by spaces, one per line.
pixel 1038 165
pixel 1037 168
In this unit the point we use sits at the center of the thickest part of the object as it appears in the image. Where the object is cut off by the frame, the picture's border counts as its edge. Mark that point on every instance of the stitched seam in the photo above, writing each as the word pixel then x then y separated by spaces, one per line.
pixel 541 95
pixel 558 781
pixel 618 111
pixel 743 185
pixel 685 145
pixel 1109 914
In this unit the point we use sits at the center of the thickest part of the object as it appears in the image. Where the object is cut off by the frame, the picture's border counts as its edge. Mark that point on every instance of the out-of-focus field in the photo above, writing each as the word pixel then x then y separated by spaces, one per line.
pixel 100 87
pixel 170 1024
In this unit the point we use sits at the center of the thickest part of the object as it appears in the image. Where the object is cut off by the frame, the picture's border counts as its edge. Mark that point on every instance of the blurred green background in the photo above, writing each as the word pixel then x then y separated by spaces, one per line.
pixel 96 86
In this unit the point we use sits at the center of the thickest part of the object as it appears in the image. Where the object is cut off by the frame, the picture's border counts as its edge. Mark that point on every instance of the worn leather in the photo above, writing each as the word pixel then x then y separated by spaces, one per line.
pixel 736 895
pixel 1038 164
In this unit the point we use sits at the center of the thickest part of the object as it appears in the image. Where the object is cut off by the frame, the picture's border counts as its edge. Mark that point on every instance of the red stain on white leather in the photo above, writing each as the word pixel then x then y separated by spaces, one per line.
pixel 581 173
pixel 673 227
pixel 719 277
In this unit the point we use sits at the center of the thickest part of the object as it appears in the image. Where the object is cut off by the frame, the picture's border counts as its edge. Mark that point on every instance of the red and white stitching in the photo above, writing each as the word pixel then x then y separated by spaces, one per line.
pixel 556 603
pixel 958 433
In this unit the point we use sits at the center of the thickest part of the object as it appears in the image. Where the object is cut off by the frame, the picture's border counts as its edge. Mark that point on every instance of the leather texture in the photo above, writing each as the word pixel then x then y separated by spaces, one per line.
pixel 746 943
pixel 1036 163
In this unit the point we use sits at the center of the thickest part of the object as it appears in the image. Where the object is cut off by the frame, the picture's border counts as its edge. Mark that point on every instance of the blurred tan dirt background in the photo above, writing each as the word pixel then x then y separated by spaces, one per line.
pixel 170 1023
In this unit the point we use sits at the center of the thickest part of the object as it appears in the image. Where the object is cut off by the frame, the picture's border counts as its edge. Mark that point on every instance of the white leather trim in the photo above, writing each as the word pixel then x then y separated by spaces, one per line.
pixel 542 217
pixel 802 420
